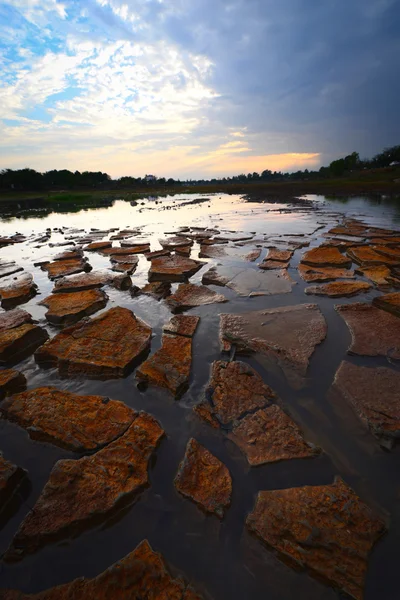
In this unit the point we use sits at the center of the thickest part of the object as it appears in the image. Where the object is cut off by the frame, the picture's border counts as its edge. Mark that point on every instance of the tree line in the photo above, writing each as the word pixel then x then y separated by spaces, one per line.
pixel 31 180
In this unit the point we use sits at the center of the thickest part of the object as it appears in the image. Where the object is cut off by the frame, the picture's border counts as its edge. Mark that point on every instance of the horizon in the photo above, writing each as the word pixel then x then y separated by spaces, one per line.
pixel 196 91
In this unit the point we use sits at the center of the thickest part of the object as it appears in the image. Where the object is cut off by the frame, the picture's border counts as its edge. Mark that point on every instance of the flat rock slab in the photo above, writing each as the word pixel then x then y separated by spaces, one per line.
pixel 157 254
pixel 325 529
pixel 374 332
pixel 125 251
pixel 236 389
pixel 81 492
pixel 211 251
pixel 321 274
pixel 88 281
pixel 175 242
pixel 130 259
pixel 279 255
pixel 9 268
pixel 367 256
pixel 374 395
pixel 69 307
pixel 252 282
pixel 391 252
pixel 97 246
pixel 253 255
pixel 216 276
pixel 287 336
pixel 17 291
pixel 269 435
pixel 380 275
pixel 71 421
pixel 10 478
pixel 325 257
pixel 61 268
pixel 173 268
pixel 141 575
pixel 126 268
pixel 185 325
pixel 169 367
pixel 77 253
pixel 11 382
pixel 189 295
pixel 336 289
pixel 19 336
pixel 157 290
pixel 389 302
pixel 104 347
pixel 204 479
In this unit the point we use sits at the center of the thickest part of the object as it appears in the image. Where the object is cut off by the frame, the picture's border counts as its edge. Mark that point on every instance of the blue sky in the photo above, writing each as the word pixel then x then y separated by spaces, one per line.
pixel 192 88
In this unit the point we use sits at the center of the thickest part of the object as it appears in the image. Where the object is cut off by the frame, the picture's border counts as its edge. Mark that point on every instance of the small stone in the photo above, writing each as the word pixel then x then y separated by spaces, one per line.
pixel 19 336
pixel 97 246
pixel 379 275
pixel 389 302
pixel 77 423
pixel 87 490
pixel 88 281
pixel 374 395
pixel 17 291
pixel 269 435
pixel 173 268
pixel 236 389
pixel 61 268
pixel 169 367
pixel 366 256
pixel 204 479
pixel 321 274
pixel 10 478
pixel 253 255
pixel 374 332
pixel 185 325
pixel 141 575
pixel 326 529
pixel 189 295
pixel 11 382
pixel 107 346
pixel 69 307
pixel 325 257
pixel 287 336
pixel 336 289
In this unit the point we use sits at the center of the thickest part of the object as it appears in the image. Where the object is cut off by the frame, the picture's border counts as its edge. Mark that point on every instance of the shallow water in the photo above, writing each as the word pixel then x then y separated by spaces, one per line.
pixel 221 559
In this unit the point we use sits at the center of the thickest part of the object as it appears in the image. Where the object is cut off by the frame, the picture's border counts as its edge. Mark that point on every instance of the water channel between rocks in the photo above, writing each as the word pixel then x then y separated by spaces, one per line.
pixel 220 558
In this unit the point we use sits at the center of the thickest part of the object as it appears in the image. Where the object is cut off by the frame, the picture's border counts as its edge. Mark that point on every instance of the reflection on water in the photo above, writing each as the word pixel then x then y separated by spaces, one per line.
pixel 220 558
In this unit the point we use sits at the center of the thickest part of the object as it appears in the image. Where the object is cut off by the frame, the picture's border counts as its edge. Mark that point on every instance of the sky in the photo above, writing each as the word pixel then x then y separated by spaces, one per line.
pixel 196 88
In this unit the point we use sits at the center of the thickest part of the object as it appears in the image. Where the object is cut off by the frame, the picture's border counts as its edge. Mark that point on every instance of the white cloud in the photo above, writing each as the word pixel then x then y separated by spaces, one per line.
pixel 37 11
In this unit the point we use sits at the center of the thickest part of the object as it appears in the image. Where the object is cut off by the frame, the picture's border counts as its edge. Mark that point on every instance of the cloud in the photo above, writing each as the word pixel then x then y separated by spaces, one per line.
pixel 232 81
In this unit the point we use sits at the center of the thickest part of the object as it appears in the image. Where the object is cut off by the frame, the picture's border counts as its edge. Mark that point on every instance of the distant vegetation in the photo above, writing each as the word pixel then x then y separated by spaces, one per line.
pixel 60 183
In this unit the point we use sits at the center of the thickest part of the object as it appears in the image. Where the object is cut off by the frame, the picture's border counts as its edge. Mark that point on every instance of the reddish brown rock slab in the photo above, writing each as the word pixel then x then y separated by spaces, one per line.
pixel 253 255
pixel 236 389
pixel 273 265
pixel 61 268
pixel 125 251
pixel 210 251
pixel 380 275
pixel 88 281
pixel 386 241
pixel 11 382
pixel 66 308
pixel 321 274
pixel 183 250
pixel 269 435
pixel 77 253
pixel 9 268
pixel 157 254
pixel 205 412
pixel 287 336
pixel 388 251
pixel 374 394
pixel 279 255
pixel 169 367
pixel 367 257
pixel 204 479
pixel 325 257
pixel 107 346
pixel 374 332
pixel 126 268
pixel 10 478
pixel 17 290
pixel 135 243
pixel 81 492
pixel 337 289
pixel 157 290
pixel 130 259
pixel 19 336
pixel 189 295
pixel 213 277
pixel 97 246
pixel 389 302
pixel 185 325
pixel 141 575
pixel 71 421
pixel 324 529
pixel 174 242
pixel 173 268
